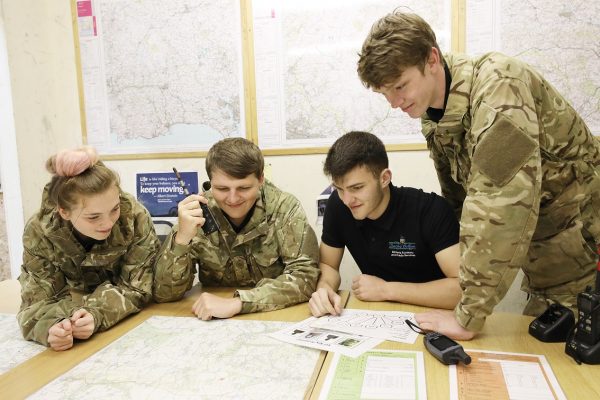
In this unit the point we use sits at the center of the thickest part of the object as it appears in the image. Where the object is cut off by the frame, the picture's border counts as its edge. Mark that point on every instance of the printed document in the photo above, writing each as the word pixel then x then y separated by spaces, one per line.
pixel 499 375
pixel 304 334
pixel 376 374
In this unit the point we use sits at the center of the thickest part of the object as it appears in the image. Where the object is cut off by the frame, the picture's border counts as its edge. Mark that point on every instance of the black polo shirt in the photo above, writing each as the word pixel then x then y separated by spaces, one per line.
pixel 401 244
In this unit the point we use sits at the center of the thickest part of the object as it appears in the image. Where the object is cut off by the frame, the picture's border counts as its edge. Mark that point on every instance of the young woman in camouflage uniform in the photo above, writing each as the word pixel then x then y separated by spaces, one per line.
pixel 89 238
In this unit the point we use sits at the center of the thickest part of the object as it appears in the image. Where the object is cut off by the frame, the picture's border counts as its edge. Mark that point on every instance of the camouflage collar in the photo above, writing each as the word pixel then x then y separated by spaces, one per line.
pixel 259 222
pixel 457 107
pixel 60 231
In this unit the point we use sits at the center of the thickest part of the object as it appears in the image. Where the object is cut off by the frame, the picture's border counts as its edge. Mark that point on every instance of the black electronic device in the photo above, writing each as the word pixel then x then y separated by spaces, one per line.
pixel 210 224
pixel 553 325
pixel 583 343
pixel 445 349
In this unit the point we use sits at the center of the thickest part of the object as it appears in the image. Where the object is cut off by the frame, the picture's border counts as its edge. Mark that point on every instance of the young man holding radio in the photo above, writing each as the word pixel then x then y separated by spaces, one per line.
pixel 264 242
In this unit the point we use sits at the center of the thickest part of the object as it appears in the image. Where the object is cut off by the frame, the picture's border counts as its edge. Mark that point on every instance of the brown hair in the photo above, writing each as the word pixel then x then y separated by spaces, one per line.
pixel 237 157
pixel 396 42
pixel 355 149
pixel 76 173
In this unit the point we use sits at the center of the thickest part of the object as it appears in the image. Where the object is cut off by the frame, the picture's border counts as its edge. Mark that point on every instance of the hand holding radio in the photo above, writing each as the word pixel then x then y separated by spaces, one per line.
pixel 193 212
pixel 190 217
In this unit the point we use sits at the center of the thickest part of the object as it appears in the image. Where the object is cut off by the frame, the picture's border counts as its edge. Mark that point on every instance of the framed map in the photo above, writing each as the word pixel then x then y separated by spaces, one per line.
pixel 160 76
pixel 170 78
pixel 307 89
pixel 559 38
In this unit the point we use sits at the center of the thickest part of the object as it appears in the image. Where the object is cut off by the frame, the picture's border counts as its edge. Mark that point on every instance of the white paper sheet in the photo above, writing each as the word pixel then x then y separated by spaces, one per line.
pixel 303 334
pixel 387 325
pixel 376 374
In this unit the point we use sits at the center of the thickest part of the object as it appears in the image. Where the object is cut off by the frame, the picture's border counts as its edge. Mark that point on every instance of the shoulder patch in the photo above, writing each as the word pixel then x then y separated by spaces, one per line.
pixel 503 149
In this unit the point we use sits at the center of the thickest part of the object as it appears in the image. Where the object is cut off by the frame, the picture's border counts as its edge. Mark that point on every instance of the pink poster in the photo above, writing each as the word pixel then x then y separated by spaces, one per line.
pixel 86 19
pixel 84 8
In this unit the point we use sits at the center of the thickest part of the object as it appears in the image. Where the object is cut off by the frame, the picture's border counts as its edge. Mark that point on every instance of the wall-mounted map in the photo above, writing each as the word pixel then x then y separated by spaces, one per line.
pixel 160 76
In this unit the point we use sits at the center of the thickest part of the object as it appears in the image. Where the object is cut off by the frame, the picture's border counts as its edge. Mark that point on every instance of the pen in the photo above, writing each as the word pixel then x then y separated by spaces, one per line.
pixel 181 182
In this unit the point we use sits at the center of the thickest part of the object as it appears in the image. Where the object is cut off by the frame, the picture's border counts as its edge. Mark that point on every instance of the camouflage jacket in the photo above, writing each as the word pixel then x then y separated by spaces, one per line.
pixel 115 276
pixel 277 252
pixel 520 166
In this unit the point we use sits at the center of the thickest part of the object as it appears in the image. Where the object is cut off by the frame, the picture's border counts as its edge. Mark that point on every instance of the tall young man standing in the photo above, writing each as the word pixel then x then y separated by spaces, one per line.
pixel 515 160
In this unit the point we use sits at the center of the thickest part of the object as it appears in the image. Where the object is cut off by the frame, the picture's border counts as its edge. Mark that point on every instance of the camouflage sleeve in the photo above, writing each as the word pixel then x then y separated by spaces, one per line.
pixel 299 251
pixel 501 208
pixel 174 270
pixel 45 297
pixel 110 303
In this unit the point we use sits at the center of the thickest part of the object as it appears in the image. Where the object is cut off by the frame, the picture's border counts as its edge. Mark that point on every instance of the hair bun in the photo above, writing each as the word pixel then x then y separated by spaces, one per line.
pixel 73 162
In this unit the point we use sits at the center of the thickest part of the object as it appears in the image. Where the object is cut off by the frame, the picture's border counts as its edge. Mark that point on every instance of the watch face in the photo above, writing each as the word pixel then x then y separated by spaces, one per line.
pixel 442 343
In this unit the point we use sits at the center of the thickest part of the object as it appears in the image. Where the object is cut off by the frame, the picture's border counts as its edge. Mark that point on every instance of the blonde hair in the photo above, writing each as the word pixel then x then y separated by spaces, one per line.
pixel 75 173
pixel 396 42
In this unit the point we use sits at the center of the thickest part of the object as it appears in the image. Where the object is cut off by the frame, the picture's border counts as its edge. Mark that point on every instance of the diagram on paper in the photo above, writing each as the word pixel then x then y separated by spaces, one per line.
pixel 389 325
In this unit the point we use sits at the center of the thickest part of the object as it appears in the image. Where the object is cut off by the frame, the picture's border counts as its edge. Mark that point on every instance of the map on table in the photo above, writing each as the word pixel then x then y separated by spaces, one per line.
pixel 183 357
pixel 13 348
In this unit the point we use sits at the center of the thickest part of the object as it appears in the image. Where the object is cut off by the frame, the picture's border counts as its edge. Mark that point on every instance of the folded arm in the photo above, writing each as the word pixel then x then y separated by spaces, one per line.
pixel 109 303
pixel 298 249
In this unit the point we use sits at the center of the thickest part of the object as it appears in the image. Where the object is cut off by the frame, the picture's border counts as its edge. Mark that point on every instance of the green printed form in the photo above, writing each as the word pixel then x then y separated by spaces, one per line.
pixel 376 375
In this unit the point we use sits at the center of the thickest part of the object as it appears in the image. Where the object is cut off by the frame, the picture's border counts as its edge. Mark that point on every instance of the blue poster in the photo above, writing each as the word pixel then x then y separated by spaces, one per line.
pixel 160 192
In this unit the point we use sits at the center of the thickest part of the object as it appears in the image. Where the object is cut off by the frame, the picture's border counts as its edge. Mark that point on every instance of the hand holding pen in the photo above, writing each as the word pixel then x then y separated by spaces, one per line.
pixel 192 212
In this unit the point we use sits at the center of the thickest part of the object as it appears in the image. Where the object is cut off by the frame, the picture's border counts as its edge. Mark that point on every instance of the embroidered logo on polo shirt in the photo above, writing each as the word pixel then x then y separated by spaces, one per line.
pixel 402 248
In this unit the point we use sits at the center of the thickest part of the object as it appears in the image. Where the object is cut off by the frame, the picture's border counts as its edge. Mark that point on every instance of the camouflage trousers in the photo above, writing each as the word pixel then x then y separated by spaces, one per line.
pixel 540 301
pixel 563 255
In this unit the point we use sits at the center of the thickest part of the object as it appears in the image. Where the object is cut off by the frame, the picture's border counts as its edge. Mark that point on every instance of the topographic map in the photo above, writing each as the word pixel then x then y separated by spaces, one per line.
pixel 14 349
pixel 560 38
pixel 166 75
pixel 185 358
pixel 308 91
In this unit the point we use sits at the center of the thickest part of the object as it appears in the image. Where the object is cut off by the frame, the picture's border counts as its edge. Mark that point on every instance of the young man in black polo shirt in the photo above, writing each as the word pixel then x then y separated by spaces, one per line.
pixel 404 241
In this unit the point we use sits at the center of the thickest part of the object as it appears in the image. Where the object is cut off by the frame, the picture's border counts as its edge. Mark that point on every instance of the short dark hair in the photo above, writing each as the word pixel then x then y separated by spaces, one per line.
pixel 237 157
pixel 355 149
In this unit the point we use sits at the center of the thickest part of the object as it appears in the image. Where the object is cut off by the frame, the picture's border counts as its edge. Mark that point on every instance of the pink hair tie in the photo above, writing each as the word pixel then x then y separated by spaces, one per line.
pixel 73 162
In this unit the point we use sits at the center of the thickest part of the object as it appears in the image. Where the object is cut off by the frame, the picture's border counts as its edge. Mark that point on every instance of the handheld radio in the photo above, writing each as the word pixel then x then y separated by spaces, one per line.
pixel 583 343
pixel 446 350
pixel 210 224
